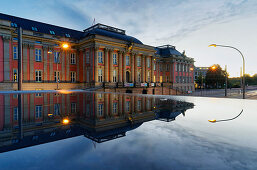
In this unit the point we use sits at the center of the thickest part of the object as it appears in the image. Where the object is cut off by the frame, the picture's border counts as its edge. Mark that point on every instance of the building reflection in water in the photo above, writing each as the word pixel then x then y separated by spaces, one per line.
pixel 47 117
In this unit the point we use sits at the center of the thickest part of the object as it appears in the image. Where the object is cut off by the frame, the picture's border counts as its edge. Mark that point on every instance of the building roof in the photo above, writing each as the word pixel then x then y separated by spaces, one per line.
pixel 40 27
pixel 167 51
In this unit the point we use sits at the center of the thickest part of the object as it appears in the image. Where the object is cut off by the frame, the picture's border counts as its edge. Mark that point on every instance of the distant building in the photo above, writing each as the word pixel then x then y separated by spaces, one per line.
pixel 200 71
pixel 175 68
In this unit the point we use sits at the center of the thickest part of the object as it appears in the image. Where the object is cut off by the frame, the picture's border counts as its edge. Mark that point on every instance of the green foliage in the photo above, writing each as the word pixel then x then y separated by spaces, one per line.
pixel 215 77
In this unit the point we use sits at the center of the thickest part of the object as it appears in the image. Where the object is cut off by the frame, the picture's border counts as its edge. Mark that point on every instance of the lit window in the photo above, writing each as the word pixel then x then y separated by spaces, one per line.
pixel 15 113
pixel 38 111
pixel 72 58
pixel 67 35
pixel 87 57
pixel 127 61
pixel 15 75
pixel 38 76
pixel 100 75
pixel 100 109
pixel 114 58
pixel 38 56
pixel 52 32
pixel 34 29
pixel 114 76
pixel 100 57
pixel 73 76
pixel 115 107
pixel 73 107
pixel 15 52
pixel 139 61
pixel 56 57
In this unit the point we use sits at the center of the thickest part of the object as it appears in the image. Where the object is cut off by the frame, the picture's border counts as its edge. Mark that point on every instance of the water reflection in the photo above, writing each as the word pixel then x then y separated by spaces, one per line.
pixel 32 119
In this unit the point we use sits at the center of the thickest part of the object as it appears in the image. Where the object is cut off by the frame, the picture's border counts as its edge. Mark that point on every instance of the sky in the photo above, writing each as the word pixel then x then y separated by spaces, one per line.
pixel 190 25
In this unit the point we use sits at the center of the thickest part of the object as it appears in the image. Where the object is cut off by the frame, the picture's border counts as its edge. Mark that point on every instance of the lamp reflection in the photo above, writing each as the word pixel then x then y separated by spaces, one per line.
pixel 214 120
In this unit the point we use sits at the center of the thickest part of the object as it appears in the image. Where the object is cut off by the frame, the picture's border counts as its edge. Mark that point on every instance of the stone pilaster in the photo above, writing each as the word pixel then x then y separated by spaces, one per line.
pixel 106 65
pixel 25 62
pixel 45 49
pixel 68 65
pixel 84 66
pixel 31 62
pixel 132 57
pixel 78 64
pixel 6 40
pixel 62 71
pixel 121 55
pixel 51 61
pixel 143 68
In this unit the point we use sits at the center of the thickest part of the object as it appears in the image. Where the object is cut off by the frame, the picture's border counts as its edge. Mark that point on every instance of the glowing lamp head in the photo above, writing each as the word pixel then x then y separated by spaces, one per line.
pixel 49 52
pixel 212 45
pixel 213 67
pixel 212 121
pixel 65 45
pixel 65 121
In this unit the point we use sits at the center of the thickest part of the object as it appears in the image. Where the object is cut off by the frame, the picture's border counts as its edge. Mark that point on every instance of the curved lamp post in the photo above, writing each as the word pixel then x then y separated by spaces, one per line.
pixel 216 45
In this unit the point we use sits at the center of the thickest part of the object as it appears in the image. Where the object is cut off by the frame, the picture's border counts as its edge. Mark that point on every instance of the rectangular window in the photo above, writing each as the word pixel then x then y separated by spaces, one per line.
pixel 139 61
pixel 67 35
pixel 34 28
pixel 148 76
pixel 15 75
pixel 127 106
pixel 139 102
pixel 72 58
pixel 114 76
pixel 87 57
pixel 15 113
pixel 57 76
pixel 177 79
pixel 148 62
pixel 114 58
pixel 87 75
pixel 167 67
pixel 56 57
pixel 38 111
pixel 100 75
pixel 73 76
pixel 100 57
pixel 52 32
pixel 56 109
pixel 15 52
pixel 127 60
pixel 38 76
pixel 154 66
pixel 167 79
pixel 139 76
pixel 73 107
pixel 100 109
pixel 38 56
pixel 114 108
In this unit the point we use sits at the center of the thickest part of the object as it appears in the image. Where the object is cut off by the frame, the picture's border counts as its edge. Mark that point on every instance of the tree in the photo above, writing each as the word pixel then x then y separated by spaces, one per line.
pixel 200 80
pixel 215 77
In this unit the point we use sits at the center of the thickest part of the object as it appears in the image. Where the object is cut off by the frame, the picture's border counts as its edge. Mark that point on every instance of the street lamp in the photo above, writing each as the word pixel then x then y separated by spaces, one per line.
pixel 64 46
pixel 216 45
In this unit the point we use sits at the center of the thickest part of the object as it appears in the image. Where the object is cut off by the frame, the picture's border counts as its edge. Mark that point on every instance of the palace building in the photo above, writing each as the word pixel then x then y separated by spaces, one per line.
pixel 100 57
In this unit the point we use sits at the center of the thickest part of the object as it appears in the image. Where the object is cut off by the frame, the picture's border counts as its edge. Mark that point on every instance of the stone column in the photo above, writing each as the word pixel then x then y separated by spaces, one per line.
pixel 132 64
pixel 95 70
pixel 78 61
pixel 120 56
pixel 6 40
pixel 51 61
pixel 45 62
pixel 143 68
pixel 31 62
pixel 106 65
pixel 25 63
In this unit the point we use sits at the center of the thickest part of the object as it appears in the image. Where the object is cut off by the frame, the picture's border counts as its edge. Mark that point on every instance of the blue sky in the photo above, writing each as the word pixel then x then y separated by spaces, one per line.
pixel 190 25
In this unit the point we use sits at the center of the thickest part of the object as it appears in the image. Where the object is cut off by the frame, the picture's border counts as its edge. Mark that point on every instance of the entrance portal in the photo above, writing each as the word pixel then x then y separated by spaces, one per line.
pixel 127 76
pixel 144 91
